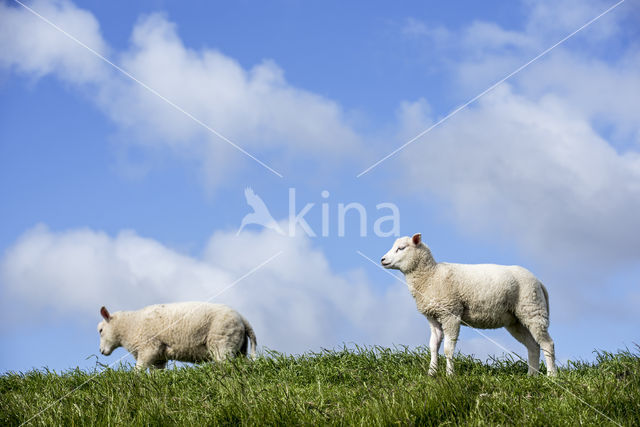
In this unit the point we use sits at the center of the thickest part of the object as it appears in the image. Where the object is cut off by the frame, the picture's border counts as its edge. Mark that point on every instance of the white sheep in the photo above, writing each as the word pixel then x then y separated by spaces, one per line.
pixel 186 331
pixel 483 296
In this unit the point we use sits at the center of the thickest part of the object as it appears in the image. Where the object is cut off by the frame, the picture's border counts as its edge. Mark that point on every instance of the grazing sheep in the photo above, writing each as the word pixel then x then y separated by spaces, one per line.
pixel 483 296
pixel 186 331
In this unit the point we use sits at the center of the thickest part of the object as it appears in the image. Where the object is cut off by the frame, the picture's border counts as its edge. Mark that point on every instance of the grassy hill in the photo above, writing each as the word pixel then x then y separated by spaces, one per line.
pixel 363 386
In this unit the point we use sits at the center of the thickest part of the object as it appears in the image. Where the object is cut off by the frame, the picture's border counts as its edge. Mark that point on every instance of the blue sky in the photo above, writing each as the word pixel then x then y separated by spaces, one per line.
pixel 109 196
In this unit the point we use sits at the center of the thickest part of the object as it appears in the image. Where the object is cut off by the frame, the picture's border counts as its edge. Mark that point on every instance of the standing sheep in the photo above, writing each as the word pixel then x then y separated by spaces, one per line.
pixel 186 331
pixel 486 296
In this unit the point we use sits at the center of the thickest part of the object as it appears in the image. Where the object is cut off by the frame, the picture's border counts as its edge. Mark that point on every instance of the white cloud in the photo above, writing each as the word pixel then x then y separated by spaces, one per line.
pixel 605 93
pixel 256 108
pixel 595 71
pixel 551 158
pixel 555 19
pixel 482 37
pixel 416 28
pixel 544 23
pixel 31 46
pixel 603 90
pixel 296 303
pixel 536 171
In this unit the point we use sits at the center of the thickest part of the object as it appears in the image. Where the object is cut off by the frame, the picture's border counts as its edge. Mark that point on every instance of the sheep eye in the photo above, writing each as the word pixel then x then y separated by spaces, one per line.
pixel 100 331
pixel 400 249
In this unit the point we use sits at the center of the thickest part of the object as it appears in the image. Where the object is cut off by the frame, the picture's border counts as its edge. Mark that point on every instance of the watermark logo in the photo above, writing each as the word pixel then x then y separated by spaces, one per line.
pixel 383 226
pixel 260 215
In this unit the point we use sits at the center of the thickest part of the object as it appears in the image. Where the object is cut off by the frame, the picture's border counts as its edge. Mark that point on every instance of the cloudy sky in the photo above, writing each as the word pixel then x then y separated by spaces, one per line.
pixel 129 133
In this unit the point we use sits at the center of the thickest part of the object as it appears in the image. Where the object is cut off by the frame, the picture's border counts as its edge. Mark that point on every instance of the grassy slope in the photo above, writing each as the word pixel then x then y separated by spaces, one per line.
pixel 355 387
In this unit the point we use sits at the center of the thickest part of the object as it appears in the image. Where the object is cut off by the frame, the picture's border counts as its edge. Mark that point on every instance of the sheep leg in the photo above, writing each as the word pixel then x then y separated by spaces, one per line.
pixel 522 334
pixel 221 355
pixel 145 359
pixel 542 337
pixel 548 349
pixel 434 344
pixel 140 365
pixel 451 328
pixel 160 364
pixel 217 351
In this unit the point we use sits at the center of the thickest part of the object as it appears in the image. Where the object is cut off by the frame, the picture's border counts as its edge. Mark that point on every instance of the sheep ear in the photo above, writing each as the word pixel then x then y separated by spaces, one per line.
pixel 416 239
pixel 105 313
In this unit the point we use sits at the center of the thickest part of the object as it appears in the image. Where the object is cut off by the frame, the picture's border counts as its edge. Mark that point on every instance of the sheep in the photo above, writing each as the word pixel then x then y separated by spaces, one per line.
pixel 485 296
pixel 186 331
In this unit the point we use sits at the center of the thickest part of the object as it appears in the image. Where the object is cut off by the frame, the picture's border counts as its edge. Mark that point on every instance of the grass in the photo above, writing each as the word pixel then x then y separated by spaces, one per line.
pixel 371 386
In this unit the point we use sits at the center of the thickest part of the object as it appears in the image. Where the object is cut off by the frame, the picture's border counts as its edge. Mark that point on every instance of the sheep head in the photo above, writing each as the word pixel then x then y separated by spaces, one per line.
pixel 406 254
pixel 109 340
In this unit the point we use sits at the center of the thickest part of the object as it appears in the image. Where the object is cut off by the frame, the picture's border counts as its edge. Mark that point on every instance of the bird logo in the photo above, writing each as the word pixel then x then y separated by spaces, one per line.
pixel 260 214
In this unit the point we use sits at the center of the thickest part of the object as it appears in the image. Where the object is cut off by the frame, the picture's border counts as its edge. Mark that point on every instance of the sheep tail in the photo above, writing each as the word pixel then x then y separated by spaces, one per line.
pixel 546 299
pixel 248 330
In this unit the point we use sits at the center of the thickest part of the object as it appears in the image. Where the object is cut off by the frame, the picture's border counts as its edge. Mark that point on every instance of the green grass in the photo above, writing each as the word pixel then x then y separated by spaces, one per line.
pixel 363 386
